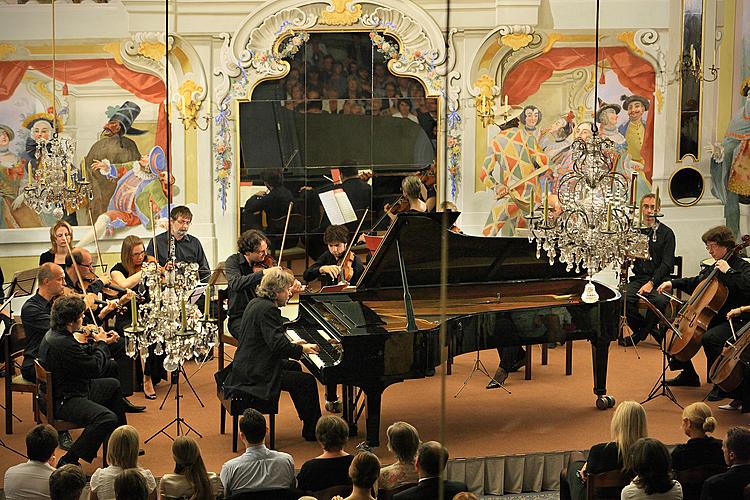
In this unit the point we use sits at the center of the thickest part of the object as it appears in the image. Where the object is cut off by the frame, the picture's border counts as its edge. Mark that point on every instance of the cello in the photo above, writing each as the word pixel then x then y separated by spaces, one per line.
pixel 697 312
pixel 728 370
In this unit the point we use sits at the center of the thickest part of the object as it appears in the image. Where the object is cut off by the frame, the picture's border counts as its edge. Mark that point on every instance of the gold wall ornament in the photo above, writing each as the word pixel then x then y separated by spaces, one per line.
pixel 628 38
pixel 659 99
pixel 6 49
pixel 187 105
pixel 152 50
pixel 341 13
pixel 553 38
pixel 486 91
pixel 114 49
pixel 516 40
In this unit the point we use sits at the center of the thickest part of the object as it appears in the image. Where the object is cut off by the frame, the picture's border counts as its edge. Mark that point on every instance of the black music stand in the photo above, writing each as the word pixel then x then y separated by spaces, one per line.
pixel 661 388
pixel 479 367
pixel 178 420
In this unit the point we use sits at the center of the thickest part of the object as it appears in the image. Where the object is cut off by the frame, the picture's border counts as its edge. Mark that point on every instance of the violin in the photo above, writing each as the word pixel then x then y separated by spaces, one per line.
pixel 728 370
pixel 347 267
pixel 89 332
pixel 266 263
pixel 696 314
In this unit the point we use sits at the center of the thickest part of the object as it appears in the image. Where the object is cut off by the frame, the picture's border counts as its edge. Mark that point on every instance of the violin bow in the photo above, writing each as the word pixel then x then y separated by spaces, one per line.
pixel 387 212
pixel 96 240
pixel 80 280
pixel 286 227
pixel 351 244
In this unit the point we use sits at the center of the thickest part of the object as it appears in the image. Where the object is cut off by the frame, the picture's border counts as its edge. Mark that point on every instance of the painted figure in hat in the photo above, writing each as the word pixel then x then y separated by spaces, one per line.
pixel 562 160
pixel 531 119
pixel 514 155
pixel 114 147
pixel 634 130
pixel 140 194
pixel 11 174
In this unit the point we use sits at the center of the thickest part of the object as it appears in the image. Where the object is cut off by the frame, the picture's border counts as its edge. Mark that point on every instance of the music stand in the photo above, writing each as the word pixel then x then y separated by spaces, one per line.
pixel 479 367
pixel 661 388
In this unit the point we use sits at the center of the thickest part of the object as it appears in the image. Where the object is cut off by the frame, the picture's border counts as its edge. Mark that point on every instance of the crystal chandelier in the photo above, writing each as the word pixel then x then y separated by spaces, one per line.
pixel 169 319
pixel 57 185
pixel 594 225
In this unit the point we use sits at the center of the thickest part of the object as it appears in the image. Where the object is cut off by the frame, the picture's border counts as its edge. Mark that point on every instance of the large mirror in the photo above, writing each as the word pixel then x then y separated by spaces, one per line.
pixel 339 107
pixel 690 87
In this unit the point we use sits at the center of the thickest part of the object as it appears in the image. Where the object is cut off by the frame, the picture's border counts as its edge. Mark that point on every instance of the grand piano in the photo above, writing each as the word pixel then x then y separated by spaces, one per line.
pixel 498 294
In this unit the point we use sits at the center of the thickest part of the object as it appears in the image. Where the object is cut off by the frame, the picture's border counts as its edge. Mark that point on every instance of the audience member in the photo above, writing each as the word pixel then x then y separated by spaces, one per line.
pixel 331 468
pixel 258 468
pixel 131 485
pixel 465 495
pixel 651 464
pixel 628 426
pixel 700 449
pixel 730 485
pixel 67 483
pixel 404 110
pixel 432 458
pixel 95 403
pixel 403 442
pixel 122 454
pixel 61 236
pixel 190 479
pixel 30 480
pixel 363 472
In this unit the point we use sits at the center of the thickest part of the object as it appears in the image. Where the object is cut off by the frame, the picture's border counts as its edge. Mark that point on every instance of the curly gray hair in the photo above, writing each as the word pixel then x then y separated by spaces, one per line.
pixel 274 281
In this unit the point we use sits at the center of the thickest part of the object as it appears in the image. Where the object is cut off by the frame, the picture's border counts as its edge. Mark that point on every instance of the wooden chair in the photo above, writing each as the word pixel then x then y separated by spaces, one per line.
pixel 389 494
pixel 692 479
pixel 606 485
pixel 45 406
pixel 236 407
pixel 285 494
pixel 342 489
pixel 14 344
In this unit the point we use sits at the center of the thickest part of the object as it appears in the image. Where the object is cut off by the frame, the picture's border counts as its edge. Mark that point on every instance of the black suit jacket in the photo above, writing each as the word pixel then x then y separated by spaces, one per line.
pixel 727 486
pixel 428 490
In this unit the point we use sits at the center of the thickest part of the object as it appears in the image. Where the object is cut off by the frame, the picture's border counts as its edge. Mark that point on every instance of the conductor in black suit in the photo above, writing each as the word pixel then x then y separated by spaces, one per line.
pixel 431 459
pixel 731 484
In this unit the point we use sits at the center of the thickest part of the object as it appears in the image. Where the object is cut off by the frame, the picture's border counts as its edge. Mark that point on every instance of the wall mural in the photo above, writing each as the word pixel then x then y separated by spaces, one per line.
pixel 547 101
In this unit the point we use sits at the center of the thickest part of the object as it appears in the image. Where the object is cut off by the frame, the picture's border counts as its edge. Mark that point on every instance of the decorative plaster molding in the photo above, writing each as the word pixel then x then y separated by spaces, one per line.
pixel 341 13
pixel 647 40
pixel 6 49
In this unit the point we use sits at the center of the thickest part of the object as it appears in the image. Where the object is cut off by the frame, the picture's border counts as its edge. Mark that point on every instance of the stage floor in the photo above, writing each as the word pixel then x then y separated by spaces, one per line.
pixel 551 412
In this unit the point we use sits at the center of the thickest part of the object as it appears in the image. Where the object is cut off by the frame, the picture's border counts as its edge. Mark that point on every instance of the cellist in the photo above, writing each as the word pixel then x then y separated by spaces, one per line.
pixel 734 273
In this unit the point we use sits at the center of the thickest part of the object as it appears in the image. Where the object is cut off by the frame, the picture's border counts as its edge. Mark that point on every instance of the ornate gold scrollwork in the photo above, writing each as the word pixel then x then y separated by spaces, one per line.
pixel 516 40
pixel 152 50
pixel 6 49
pixel 187 105
pixel 628 38
pixel 341 13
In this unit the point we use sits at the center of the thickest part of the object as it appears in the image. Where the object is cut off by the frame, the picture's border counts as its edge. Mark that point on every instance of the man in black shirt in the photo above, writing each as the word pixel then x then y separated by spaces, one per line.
pixel 358 191
pixel 275 203
pixel 186 248
pixel 84 264
pixel 327 268
pixel 78 394
pixel 35 314
pixel 649 274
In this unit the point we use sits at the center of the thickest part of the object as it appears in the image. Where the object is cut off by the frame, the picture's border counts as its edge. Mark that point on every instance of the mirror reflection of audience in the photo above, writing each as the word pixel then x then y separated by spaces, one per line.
pixel 700 449
pixel 628 426
pixel 331 468
pixel 652 467
pixel 405 111
pixel 190 478
pixel 403 442
pixel 122 454
pixel 61 236
pixel 363 473
pixel 731 484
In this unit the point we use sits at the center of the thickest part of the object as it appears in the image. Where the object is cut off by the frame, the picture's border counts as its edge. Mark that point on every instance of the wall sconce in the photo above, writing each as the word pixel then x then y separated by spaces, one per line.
pixel 188 100
pixel 691 66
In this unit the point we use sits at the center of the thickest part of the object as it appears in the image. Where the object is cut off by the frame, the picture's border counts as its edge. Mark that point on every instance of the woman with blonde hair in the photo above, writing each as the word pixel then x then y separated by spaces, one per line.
pixel 413 191
pixel 403 442
pixel 61 237
pixel 190 479
pixel 122 454
pixel 628 426
pixel 700 449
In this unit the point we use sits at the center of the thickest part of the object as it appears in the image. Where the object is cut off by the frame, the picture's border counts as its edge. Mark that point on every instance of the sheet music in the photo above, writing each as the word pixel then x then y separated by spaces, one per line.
pixel 337 206
pixel 197 293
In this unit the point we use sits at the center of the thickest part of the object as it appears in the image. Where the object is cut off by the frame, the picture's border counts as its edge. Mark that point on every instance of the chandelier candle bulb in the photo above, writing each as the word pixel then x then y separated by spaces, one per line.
pixel 546 204
pixel 633 188
pixel 183 314
pixel 531 200
pixel 609 217
pixel 133 312
pixel 30 175
pixel 658 200
pixel 640 219
pixel 207 305
pixel 83 169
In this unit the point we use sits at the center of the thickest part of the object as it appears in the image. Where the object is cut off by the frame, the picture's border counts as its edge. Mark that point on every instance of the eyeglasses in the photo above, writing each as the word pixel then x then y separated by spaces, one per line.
pixel 711 245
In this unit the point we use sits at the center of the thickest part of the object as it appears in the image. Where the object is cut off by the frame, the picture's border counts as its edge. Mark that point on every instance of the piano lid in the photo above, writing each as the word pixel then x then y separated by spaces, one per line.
pixel 471 259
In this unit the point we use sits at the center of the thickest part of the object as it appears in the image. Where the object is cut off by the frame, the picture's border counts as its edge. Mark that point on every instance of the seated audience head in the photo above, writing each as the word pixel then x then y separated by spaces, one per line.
pixel 67 483
pixel 465 495
pixel 697 420
pixel 61 235
pixel 431 459
pixel 364 470
pixel 67 311
pixel 252 427
pixel 403 441
pixel 122 447
pixel 628 426
pixel 189 463
pixel 448 206
pixel 41 442
pixel 332 432
pixel 131 485
pixel 412 186
pixel 652 464
pixel 737 446
pixel 51 279
pixel 275 285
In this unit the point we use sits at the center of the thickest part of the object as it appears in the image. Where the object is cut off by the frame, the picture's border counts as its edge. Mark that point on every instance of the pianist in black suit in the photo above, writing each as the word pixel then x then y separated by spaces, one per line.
pixel 261 367
pixel 430 456
pixel 730 485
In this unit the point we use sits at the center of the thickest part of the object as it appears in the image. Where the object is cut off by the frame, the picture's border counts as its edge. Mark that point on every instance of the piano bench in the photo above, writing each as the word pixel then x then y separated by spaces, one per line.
pixel 236 407
pixel 545 357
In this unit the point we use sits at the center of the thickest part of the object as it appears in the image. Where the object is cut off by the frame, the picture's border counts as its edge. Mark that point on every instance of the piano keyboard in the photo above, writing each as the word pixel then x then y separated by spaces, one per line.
pixel 324 358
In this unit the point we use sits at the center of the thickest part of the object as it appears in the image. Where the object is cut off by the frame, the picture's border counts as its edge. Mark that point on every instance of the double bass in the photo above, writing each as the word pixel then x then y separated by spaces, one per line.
pixel 697 312
pixel 728 370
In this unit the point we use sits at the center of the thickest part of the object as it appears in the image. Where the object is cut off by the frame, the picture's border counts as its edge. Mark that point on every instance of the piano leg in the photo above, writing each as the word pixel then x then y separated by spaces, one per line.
pixel 374 396
pixel 600 358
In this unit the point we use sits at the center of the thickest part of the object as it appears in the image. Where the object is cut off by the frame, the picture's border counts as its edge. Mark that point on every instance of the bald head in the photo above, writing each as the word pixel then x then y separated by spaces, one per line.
pixel 82 258
pixel 51 279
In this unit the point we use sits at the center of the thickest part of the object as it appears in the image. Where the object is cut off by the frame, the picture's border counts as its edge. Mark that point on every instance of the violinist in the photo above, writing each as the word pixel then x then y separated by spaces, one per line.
pixel 328 267
pixel 244 271
pixel 61 236
pixel 83 393
pixel 186 248
pixel 85 264
pixel 412 191
pixel 274 203
pixel 648 274
pixel 127 274
pixel 356 188
pixel 734 274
